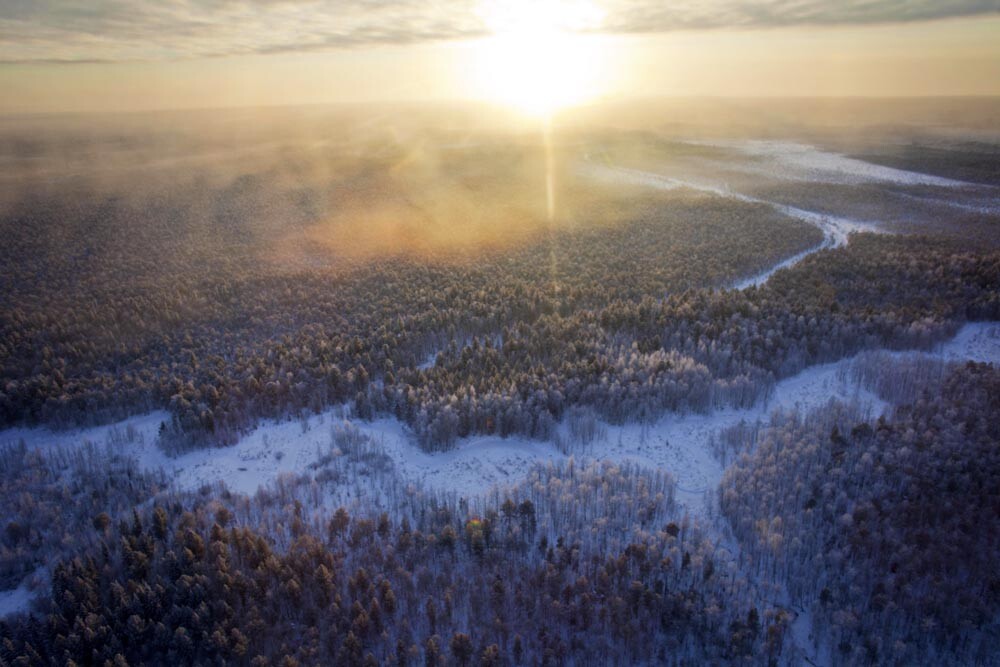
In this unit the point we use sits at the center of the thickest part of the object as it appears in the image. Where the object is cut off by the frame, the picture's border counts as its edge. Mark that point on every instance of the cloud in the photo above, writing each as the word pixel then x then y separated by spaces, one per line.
pixel 652 16
pixel 108 30
pixel 88 31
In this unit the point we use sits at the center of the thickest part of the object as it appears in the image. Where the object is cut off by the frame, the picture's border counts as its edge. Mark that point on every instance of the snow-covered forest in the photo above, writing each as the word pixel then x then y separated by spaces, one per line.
pixel 720 401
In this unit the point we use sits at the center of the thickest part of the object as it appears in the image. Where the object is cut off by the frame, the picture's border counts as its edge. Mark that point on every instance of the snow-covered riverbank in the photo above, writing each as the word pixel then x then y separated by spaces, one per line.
pixel 774 162
pixel 679 444
pixel 836 230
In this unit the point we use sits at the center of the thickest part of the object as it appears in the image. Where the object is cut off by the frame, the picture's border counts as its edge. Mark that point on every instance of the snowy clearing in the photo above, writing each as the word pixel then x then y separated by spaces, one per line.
pixel 272 449
pixel 626 176
pixel 18 600
pixel 679 444
pixel 837 229
pixel 474 466
pixel 15 601
pixel 814 652
pixel 977 341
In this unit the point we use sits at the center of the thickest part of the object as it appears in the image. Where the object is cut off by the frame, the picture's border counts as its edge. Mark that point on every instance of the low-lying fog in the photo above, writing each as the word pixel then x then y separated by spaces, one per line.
pixel 321 186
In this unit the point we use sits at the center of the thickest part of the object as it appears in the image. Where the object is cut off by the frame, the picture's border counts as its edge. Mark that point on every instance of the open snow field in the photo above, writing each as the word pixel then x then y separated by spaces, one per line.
pixel 801 162
pixel 472 467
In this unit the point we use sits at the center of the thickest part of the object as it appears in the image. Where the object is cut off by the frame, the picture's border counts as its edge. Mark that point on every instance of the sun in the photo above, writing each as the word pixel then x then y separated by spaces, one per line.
pixel 536 58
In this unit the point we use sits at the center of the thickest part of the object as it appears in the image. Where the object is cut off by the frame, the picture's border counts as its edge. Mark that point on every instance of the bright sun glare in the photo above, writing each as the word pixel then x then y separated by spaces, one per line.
pixel 535 59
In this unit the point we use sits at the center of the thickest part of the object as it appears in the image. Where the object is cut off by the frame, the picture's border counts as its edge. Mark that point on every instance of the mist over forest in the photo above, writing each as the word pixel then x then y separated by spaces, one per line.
pixel 676 382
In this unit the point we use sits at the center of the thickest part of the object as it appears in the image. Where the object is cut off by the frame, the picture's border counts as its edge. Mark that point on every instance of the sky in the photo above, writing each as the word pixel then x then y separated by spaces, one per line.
pixel 118 55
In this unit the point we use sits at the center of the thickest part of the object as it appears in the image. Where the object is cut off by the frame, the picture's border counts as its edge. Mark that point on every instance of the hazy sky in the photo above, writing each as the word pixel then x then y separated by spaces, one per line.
pixel 119 55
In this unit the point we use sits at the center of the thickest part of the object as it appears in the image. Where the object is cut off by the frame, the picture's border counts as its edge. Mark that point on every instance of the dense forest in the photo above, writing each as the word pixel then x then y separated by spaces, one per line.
pixel 886 531
pixel 223 292
pixel 100 330
pixel 576 564
pixel 424 282
pixel 226 349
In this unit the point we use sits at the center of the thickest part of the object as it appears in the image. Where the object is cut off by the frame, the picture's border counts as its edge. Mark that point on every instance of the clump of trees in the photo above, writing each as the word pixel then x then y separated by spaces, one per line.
pixel 887 532
pixel 578 564
pixel 114 305
pixel 633 360
pixel 60 501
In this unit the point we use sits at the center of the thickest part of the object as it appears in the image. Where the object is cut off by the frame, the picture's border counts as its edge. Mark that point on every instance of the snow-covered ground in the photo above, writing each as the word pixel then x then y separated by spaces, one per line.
pixel 977 341
pixel 610 173
pixel 146 426
pixel 472 467
pixel 272 449
pixel 802 162
pixel 18 600
pixel 836 229
pixel 986 201
pixel 624 175
pixel 676 443
pixel 814 650
pixel 759 279
pixel 680 444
